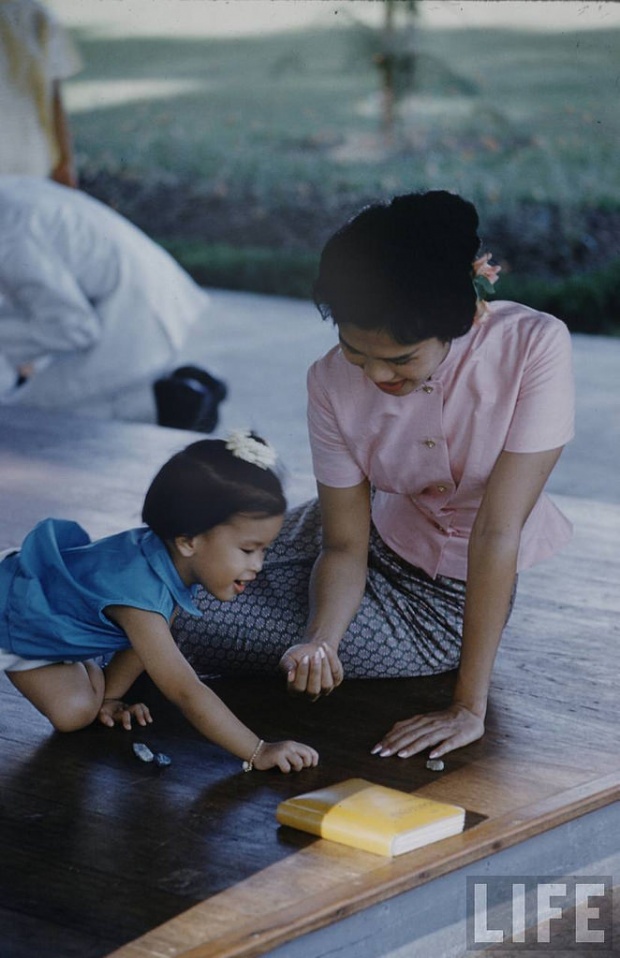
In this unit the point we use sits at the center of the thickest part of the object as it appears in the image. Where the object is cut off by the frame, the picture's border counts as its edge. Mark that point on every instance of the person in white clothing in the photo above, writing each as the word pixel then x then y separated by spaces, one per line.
pixel 89 305
pixel 36 56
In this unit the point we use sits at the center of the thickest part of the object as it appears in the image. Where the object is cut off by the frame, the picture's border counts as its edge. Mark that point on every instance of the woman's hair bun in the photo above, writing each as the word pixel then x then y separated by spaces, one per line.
pixel 439 225
pixel 404 266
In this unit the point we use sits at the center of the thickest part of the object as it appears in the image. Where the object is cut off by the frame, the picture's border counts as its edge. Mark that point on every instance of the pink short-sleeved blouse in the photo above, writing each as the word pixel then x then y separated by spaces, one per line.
pixel 505 385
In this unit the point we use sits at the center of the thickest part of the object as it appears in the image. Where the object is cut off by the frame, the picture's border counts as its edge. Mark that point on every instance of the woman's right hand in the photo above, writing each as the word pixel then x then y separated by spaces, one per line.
pixel 337 587
pixel 312 669
pixel 287 756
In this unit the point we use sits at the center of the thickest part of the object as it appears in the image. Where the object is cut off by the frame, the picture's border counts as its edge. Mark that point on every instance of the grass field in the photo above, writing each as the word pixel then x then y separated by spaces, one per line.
pixel 243 154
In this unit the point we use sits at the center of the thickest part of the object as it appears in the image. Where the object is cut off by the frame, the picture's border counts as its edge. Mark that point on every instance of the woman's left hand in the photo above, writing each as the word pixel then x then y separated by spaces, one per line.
pixel 442 731
pixel 115 712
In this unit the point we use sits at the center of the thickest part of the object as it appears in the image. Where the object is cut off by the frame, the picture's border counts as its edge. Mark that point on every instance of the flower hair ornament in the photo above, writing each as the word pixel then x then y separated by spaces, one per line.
pixel 244 445
pixel 484 276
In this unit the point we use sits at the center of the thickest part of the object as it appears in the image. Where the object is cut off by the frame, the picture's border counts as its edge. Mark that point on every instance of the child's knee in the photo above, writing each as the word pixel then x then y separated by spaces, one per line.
pixel 74 714
pixel 69 695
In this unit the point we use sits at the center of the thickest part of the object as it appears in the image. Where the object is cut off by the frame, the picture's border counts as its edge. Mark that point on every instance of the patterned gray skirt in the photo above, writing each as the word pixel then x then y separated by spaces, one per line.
pixel 408 624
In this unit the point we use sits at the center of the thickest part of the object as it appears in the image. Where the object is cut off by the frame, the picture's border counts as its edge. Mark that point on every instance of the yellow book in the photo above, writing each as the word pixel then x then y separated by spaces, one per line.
pixel 377 819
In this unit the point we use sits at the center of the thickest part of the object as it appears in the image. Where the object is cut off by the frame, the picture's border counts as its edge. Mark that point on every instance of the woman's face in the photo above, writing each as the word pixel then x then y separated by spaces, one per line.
pixel 393 368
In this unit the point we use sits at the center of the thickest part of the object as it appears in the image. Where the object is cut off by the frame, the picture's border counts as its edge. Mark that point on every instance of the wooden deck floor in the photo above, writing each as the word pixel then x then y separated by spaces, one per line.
pixel 99 850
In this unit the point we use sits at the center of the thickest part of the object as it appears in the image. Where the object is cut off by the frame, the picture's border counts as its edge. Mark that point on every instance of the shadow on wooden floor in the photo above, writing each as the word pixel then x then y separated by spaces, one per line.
pixel 97 847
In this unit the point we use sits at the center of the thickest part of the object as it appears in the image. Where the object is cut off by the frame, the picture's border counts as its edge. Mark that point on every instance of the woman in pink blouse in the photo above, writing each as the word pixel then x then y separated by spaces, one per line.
pixel 434 426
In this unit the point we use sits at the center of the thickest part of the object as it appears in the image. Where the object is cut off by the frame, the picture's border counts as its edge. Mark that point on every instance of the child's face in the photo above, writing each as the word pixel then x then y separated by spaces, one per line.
pixel 229 556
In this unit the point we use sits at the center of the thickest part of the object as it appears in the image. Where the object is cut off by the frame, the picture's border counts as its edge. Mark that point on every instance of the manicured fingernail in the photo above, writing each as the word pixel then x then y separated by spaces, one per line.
pixel 376 749
pixel 385 753
pixel 305 660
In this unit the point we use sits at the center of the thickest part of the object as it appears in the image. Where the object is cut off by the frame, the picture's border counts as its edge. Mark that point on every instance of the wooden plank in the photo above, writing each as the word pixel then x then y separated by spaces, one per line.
pixel 548 760
pixel 90 470
pixel 326 883
pixel 198 843
pixel 22 933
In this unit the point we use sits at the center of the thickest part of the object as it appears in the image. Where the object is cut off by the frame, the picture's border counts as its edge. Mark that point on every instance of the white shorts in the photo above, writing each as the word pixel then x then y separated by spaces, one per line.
pixel 10 662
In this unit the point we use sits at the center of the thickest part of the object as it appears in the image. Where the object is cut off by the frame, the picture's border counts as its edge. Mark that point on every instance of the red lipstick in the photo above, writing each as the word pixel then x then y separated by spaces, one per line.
pixel 391 387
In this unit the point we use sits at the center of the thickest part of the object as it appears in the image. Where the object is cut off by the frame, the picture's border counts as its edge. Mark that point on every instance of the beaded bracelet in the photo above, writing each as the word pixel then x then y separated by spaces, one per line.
pixel 249 765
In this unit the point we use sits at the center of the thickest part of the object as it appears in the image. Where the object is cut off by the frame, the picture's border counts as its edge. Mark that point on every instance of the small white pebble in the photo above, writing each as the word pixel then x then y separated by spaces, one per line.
pixel 435 765
pixel 143 752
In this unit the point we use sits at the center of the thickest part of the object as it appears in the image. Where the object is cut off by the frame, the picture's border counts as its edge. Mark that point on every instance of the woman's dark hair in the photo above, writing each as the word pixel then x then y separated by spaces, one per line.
pixel 404 267
pixel 204 485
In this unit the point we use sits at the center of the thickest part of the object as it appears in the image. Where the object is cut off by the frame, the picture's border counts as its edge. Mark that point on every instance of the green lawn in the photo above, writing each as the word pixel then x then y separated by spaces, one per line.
pixel 267 142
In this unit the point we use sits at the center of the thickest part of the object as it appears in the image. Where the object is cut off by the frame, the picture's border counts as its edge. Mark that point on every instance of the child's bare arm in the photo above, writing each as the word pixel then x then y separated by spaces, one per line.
pixel 152 642
pixel 120 674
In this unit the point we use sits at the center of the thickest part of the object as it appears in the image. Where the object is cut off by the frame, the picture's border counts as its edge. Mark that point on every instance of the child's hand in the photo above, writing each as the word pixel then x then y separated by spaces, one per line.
pixel 287 756
pixel 114 712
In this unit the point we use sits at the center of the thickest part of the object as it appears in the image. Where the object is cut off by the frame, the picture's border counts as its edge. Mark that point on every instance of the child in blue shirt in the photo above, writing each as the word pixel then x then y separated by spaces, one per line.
pixel 209 514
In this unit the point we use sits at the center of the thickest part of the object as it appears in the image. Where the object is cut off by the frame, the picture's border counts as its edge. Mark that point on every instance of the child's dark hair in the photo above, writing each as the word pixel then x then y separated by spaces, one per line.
pixel 404 267
pixel 204 485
